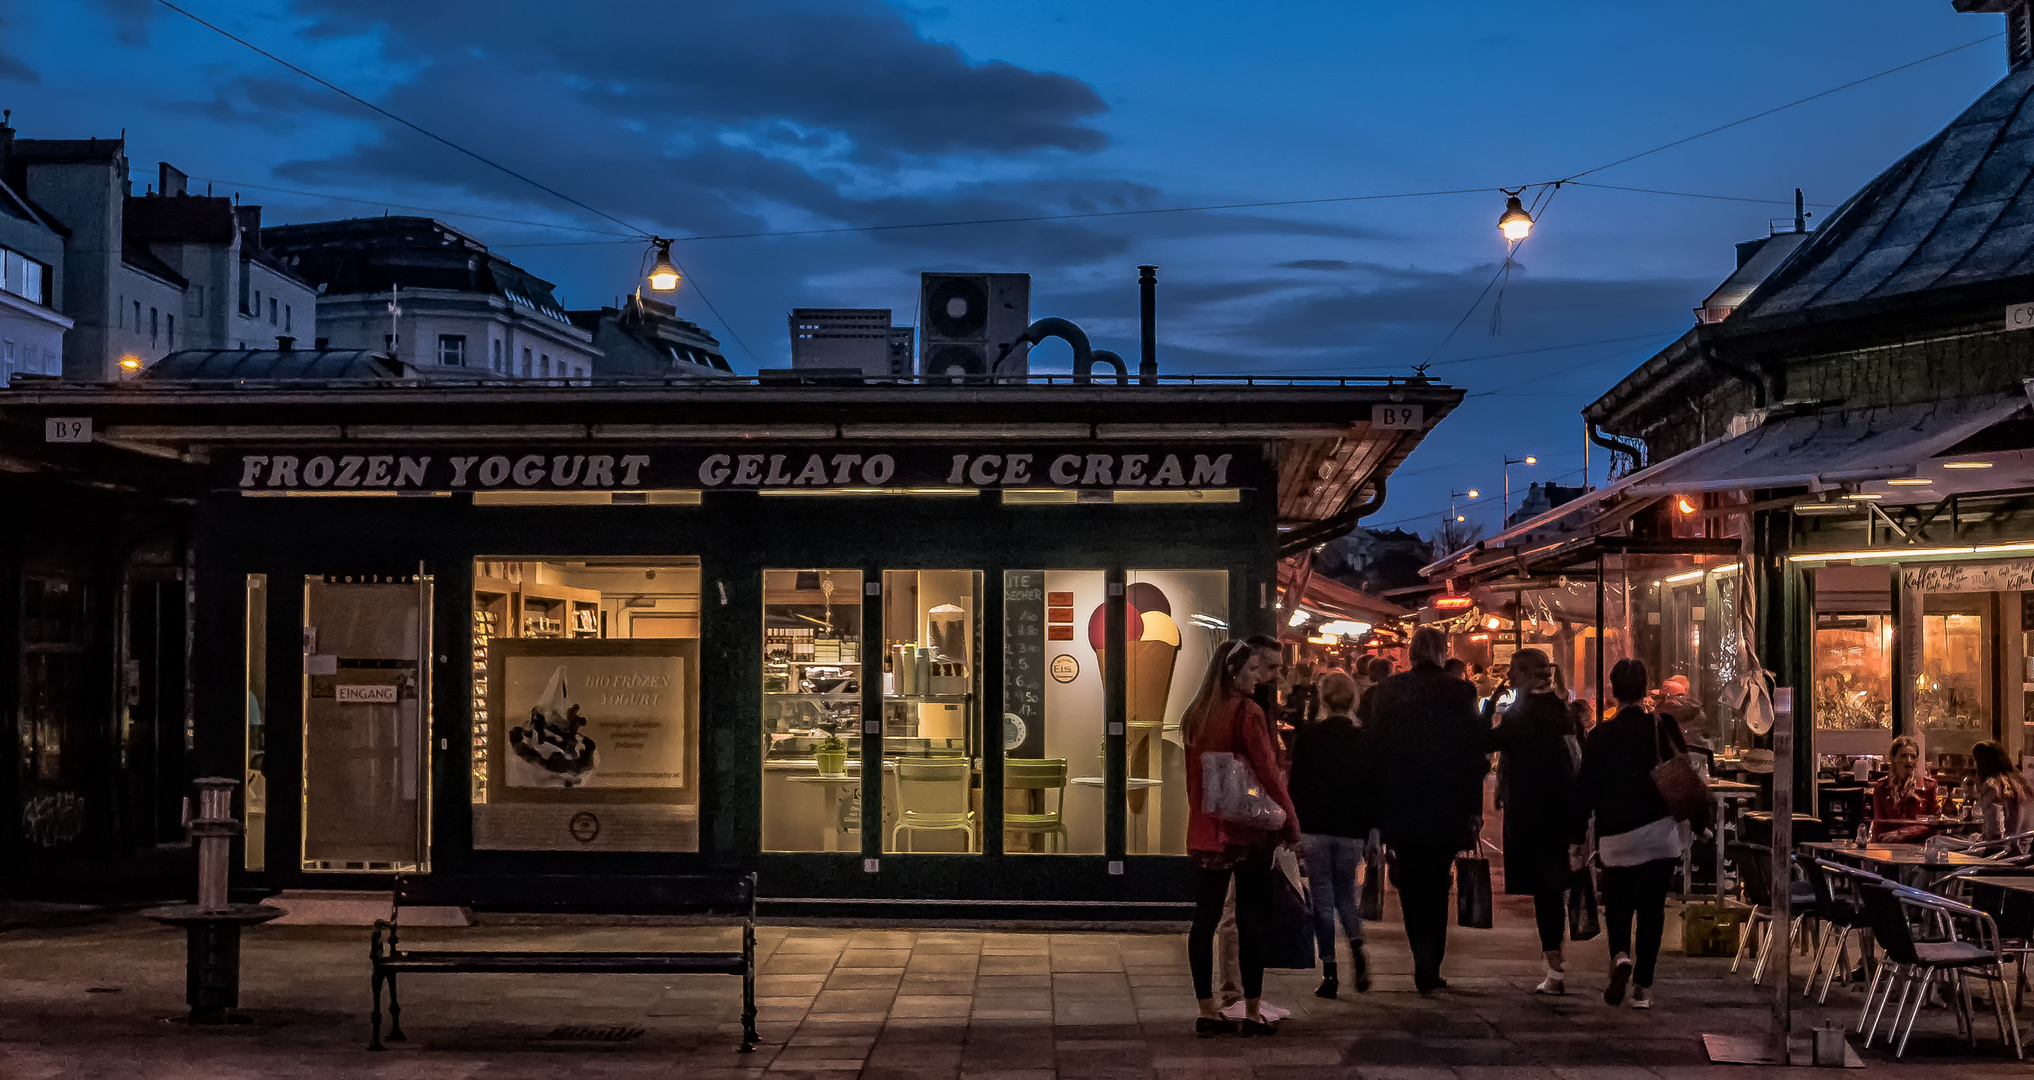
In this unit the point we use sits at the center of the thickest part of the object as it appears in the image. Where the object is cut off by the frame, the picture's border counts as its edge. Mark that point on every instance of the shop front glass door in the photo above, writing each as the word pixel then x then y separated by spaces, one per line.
pixel 931 711
pixel 1052 728
pixel 812 710
pixel 366 767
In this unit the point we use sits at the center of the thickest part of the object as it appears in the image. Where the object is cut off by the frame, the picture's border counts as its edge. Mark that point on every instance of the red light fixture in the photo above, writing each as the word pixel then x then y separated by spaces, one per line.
pixel 1452 603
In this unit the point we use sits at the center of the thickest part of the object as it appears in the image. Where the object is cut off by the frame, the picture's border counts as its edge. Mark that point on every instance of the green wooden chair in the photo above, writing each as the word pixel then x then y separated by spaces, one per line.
pixel 1040 775
pixel 934 795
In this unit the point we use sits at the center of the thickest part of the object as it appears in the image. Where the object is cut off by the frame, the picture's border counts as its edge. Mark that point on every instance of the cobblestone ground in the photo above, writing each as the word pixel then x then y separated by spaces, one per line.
pixel 91 1001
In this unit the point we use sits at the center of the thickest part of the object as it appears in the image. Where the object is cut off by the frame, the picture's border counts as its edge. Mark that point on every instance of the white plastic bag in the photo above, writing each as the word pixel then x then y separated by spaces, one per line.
pixel 1230 791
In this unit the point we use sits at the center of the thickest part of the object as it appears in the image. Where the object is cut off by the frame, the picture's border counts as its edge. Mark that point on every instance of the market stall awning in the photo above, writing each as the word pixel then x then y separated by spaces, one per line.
pixel 1827 450
pixel 1333 600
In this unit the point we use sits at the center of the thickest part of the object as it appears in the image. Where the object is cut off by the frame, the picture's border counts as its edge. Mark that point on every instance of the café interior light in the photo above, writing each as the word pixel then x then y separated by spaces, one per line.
pixel 1685 505
pixel 1300 616
pixel 1515 224
pixel 1345 628
pixel 1909 481
pixel 1966 464
pixel 130 362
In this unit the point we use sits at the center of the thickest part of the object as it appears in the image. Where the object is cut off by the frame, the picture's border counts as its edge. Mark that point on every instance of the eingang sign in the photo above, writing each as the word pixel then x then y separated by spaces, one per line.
pixel 742 467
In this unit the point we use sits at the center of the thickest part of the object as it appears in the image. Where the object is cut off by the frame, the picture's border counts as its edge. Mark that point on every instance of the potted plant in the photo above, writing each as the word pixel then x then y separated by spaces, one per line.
pixel 831 756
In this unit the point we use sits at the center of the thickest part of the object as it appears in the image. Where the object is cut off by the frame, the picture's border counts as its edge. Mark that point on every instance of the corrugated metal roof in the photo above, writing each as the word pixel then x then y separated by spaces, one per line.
pixel 1958 210
pixel 272 364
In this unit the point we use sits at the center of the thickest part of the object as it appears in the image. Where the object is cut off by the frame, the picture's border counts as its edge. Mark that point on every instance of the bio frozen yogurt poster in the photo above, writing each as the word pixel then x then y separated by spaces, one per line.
pixel 594 721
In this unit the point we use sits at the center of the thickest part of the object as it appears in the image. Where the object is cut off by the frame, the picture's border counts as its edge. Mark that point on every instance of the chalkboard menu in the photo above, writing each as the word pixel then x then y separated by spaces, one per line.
pixel 1024 663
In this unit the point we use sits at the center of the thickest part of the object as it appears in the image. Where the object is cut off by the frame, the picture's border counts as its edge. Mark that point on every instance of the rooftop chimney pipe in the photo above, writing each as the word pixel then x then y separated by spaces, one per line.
pixel 285 343
pixel 1147 288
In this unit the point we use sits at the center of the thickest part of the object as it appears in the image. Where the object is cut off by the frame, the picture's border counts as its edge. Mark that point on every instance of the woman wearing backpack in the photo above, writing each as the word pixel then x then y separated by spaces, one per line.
pixel 1224 720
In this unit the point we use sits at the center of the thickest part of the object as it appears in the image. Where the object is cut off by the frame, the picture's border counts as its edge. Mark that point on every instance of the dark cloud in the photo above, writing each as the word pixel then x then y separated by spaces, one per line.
pixel 1323 265
pixel 769 68
pixel 13 68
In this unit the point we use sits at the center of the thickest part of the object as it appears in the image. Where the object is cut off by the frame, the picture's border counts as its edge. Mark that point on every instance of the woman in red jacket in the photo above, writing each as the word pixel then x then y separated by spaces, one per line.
pixel 1223 719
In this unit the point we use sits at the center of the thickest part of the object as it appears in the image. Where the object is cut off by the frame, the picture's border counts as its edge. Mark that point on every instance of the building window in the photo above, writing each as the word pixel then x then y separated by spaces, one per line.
pixel 554 637
pixel 388 345
pixel 170 331
pixel 257 304
pixel 811 724
pixel 494 361
pixel 452 349
pixel 152 323
pixel 271 311
pixel 21 275
pixel 137 316
pixel 286 318
pixel 544 366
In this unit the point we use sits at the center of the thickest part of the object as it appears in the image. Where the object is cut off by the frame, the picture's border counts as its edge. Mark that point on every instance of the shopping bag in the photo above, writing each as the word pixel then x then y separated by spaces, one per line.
pixel 1288 934
pixel 1230 791
pixel 1680 785
pixel 1370 902
pixel 1583 921
pixel 1472 891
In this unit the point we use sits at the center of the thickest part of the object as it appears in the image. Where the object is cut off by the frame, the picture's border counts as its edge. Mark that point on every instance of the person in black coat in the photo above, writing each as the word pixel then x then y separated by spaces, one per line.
pixel 1334 790
pixel 1540 754
pixel 1434 750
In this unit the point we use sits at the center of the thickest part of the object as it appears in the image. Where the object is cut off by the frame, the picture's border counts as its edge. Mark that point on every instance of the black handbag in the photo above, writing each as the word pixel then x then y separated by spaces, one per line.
pixel 1287 938
pixel 1583 920
pixel 1370 901
pixel 1472 890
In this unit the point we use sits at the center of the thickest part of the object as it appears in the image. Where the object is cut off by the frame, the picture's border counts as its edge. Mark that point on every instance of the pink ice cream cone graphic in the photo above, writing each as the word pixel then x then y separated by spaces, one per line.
pixel 1151 649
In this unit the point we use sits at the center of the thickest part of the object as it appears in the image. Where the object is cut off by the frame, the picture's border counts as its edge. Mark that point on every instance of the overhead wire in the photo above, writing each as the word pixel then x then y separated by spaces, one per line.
pixel 640 233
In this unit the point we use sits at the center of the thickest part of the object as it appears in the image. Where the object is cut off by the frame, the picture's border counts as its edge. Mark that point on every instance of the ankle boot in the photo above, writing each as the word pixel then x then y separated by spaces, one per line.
pixel 1362 963
pixel 1330 984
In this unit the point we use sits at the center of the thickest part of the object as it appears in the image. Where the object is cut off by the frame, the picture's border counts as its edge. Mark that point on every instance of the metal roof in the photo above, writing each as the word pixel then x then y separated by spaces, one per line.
pixel 264 364
pixel 1958 210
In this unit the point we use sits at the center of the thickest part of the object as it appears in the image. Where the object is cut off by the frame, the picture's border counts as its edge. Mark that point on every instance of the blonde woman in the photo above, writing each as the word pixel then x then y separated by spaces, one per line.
pixel 1334 788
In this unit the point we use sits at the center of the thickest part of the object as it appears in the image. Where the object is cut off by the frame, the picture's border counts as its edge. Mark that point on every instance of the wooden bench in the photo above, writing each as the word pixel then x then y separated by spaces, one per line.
pixel 567 894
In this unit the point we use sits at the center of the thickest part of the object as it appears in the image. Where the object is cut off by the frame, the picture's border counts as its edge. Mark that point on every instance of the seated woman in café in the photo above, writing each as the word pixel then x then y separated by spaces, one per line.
pixel 1903 797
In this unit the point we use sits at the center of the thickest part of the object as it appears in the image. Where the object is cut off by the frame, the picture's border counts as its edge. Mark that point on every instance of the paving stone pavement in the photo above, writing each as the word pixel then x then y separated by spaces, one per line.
pixel 881 1004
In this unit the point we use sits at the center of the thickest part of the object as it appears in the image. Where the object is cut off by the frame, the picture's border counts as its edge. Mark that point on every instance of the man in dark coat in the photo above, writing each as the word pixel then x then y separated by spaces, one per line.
pixel 1435 751
pixel 1541 752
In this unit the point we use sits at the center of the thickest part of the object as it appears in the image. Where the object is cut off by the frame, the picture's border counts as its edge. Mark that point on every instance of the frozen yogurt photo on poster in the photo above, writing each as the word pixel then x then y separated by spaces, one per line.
pixel 551 749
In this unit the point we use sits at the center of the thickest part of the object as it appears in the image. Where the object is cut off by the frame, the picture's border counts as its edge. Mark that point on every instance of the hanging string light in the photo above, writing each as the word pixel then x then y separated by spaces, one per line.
pixel 663 275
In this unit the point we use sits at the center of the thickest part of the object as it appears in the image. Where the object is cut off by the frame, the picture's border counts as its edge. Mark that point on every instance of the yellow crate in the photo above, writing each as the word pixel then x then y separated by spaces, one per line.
pixel 1707 930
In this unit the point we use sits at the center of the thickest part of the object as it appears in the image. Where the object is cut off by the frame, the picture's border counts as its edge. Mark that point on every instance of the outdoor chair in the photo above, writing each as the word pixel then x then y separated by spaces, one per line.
pixel 1755 875
pixel 933 795
pixel 1037 775
pixel 1841 915
pixel 1915 965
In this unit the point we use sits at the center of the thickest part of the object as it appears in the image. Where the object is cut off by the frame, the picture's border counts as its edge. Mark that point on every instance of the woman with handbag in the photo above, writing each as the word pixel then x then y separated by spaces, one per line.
pixel 1632 766
pixel 1233 831
pixel 1540 751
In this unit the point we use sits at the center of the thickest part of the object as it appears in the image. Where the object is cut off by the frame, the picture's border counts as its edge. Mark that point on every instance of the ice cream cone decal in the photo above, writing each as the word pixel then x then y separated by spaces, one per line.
pixel 1151 650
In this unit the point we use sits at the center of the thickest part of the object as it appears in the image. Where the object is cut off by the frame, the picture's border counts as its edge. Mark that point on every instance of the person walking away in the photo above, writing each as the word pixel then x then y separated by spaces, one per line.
pixel 2005 804
pixel 1539 757
pixel 1223 719
pixel 1638 841
pixel 1457 668
pixel 1433 750
pixel 1902 797
pixel 1333 787
pixel 1380 670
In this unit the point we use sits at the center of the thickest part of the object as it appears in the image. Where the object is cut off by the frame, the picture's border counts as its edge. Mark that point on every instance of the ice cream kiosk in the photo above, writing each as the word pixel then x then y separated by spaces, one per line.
pixel 901 648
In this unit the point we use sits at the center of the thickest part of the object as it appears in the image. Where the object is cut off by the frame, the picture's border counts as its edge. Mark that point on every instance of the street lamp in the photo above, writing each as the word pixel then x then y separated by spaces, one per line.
pixel 663 275
pixel 1472 493
pixel 1508 463
pixel 1516 224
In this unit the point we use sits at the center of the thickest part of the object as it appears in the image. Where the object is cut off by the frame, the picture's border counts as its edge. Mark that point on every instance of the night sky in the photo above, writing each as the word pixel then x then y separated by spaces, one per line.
pixel 704 119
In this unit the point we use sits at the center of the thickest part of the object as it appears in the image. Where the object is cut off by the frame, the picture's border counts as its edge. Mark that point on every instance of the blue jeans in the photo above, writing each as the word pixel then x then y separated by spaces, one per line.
pixel 1331 877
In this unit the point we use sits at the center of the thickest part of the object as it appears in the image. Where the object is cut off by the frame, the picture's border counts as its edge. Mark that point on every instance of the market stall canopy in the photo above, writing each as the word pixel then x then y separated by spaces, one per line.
pixel 1825 450
pixel 1332 600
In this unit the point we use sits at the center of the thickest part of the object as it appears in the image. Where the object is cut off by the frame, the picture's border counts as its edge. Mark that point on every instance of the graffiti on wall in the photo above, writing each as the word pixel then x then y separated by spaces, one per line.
pixel 52 819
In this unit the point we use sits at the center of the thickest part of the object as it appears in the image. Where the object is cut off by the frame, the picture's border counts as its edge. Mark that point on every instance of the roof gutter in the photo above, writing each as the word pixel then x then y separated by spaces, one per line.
pixel 1755 377
pixel 1632 449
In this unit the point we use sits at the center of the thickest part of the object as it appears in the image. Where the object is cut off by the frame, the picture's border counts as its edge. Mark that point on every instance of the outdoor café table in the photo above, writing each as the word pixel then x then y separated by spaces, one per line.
pixel 1908 863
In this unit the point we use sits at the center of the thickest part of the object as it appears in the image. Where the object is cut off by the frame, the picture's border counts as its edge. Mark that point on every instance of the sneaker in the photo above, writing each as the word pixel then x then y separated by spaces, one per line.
pixel 1620 976
pixel 1641 998
pixel 1556 982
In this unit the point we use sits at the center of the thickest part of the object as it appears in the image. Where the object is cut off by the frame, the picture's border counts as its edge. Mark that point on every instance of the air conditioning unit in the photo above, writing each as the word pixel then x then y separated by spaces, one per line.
pixel 965 320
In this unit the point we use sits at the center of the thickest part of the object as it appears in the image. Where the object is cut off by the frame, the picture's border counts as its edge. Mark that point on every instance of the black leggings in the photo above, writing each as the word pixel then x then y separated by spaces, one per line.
pixel 1253 898
pixel 1550 911
pixel 1637 891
